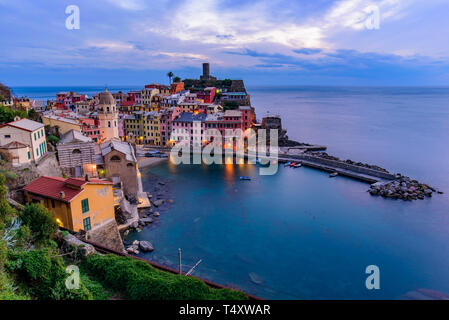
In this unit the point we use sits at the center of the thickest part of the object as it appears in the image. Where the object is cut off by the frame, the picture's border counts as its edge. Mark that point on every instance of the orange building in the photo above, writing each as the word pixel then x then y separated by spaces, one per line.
pixel 78 204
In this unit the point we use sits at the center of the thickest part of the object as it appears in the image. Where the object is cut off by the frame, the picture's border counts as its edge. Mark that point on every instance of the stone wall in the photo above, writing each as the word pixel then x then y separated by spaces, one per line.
pixel 107 235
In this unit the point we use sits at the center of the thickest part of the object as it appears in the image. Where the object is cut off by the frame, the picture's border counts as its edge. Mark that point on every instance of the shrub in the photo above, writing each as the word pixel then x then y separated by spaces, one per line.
pixel 41 222
pixel 45 276
pixel 140 281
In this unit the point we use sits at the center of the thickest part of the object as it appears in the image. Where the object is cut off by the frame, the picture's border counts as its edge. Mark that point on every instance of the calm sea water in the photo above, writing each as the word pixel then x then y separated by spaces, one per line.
pixel 306 236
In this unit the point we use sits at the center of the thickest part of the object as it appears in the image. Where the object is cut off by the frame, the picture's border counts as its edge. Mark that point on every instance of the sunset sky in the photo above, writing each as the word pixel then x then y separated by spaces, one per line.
pixel 319 42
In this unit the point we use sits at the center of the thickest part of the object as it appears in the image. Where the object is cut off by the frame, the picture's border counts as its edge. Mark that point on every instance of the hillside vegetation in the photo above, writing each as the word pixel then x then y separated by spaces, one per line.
pixel 33 265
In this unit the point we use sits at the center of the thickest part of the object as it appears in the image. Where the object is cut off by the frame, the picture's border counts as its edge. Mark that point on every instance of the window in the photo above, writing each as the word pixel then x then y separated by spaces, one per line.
pixel 53 205
pixel 115 158
pixel 85 205
pixel 29 156
pixel 77 151
pixel 7 136
pixel 35 136
pixel 86 223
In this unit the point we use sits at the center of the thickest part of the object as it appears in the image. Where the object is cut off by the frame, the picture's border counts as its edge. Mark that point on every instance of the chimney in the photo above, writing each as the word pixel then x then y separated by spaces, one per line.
pixel 62 194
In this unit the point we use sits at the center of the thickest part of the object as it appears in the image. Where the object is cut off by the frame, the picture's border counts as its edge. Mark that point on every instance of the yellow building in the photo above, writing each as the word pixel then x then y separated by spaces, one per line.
pixel 152 128
pixel 78 204
pixel 64 124
pixel 144 127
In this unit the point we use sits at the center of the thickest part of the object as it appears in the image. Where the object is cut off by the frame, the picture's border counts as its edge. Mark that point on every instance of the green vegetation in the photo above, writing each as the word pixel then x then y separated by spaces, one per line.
pixel 230 105
pixel 32 266
pixel 138 280
pixel 52 139
pixel 170 76
pixel 7 114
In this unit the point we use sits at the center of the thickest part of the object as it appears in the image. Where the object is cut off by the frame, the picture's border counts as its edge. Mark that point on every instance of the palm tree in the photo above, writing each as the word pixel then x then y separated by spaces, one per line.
pixel 170 75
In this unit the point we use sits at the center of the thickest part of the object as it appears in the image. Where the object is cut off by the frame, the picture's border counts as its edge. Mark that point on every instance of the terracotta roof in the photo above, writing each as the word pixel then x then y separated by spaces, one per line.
pixel 51 187
pixel 14 145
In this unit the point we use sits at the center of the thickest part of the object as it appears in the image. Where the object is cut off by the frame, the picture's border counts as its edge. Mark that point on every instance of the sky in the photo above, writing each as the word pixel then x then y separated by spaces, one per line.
pixel 283 42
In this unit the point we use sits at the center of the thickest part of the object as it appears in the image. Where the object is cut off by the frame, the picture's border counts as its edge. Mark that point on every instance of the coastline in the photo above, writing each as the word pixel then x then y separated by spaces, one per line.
pixel 145 162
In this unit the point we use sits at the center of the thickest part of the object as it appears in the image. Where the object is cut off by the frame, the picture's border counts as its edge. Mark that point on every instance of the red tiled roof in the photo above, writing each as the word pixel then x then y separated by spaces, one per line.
pixel 51 187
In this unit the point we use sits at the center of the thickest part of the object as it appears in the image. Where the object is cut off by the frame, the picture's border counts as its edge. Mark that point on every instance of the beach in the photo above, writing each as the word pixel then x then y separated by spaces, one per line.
pixel 145 162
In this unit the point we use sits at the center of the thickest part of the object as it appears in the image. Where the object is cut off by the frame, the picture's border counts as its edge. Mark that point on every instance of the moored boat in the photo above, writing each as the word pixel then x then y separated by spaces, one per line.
pixel 245 178
pixel 333 174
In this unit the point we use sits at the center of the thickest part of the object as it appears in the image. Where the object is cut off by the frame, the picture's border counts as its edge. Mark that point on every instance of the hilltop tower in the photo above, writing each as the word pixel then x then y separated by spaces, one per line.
pixel 107 116
pixel 206 72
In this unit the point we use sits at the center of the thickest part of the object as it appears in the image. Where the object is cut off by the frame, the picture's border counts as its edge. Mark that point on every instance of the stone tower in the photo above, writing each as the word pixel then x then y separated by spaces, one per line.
pixel 107 116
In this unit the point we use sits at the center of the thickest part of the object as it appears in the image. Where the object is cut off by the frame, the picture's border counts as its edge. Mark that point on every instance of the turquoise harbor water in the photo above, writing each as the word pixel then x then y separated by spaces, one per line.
pixel 306 235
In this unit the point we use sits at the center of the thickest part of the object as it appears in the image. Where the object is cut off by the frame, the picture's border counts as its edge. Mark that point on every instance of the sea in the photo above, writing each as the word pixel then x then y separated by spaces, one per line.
pixel 299 234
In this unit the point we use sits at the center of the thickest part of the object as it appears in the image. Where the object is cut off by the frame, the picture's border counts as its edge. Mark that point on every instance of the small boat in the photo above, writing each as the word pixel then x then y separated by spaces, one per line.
pixel 333 174
pixel 245 178
pixel 297 165
pixel 287 164
pixel 292 164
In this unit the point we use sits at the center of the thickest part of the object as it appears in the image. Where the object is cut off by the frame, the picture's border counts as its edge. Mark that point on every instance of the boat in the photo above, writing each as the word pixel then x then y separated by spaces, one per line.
pixel 245 178
pixel 333 174
pixel 287 164
pixel 292 164
pixel 297 165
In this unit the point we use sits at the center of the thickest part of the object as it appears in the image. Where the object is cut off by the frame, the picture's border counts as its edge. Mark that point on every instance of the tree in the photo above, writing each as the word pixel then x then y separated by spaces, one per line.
pixel 41 222
pixel 33 115
pixel 176 79
pixel 170 75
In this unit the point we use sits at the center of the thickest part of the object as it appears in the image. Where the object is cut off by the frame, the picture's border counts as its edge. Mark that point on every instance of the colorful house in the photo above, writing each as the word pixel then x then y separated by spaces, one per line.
pixel 78 204
pixel 28 132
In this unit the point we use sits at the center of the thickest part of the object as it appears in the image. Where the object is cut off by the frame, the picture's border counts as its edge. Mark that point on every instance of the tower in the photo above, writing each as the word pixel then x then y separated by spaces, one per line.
pixel 107 116
pixel 206 70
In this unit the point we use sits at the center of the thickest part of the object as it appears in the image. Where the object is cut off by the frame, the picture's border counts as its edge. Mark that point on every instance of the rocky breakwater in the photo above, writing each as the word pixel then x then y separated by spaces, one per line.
pixel 403 188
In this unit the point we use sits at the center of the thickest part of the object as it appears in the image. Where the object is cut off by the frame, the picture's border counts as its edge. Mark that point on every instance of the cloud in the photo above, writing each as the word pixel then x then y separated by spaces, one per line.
pixel 128 4
pixel 307 51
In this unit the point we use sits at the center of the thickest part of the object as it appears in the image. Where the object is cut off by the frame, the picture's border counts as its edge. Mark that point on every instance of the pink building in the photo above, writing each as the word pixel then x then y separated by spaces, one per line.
pixel 248 116
pixel 207 95
pixel 135 96
pixel 188 127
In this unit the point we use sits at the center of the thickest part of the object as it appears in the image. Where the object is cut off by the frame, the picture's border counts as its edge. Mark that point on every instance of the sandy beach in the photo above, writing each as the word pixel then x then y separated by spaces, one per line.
pixel 149 162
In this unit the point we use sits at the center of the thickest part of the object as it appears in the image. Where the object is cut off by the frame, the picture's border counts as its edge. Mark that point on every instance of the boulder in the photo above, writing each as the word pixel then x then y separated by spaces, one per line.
pixel 146 220
pixel 146 246
pixel 158 203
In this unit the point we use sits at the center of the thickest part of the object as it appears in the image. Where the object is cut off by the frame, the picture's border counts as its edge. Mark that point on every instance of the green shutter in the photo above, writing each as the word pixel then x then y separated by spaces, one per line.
pixel 85 205
pixel 86 223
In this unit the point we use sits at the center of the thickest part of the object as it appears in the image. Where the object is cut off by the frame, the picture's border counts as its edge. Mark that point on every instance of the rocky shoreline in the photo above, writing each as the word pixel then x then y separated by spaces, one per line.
pixel 159 198
pixel 403 188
